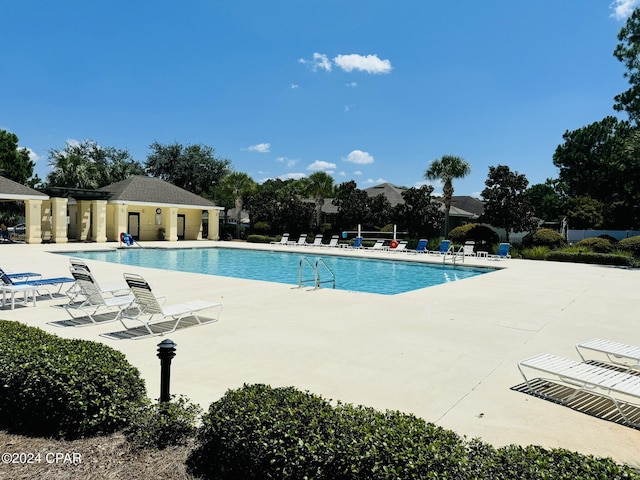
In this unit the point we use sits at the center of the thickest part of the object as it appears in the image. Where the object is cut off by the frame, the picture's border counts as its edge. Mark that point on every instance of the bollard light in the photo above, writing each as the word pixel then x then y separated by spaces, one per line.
pixel 166 351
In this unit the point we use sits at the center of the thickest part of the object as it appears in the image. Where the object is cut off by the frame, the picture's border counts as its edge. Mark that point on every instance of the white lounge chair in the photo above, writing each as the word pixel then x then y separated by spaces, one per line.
pixel 620 354
pixel 468 249
pixel 93 300
pixel 619 387
pixel 317 242
pixel 283 241
pixel 74 293
pixel 150 308
pixel 379 245
pixel 402 247
pixel 333 242
pixel 302 240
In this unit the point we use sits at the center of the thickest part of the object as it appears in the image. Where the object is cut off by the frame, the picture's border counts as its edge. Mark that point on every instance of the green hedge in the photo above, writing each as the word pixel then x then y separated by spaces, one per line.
pixel 631 244
pixel 259 432
pixel 544 237
pixel 260 239
pixel 596 244
pixel 51 386
pixel 476 232
pixel 590 257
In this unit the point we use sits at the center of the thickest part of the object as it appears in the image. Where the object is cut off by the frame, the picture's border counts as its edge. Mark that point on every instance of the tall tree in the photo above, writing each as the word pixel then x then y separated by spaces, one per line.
pixel 380 211
pixel 506 203
pixel 15 163
pixel 319 186
pixel 89 165
pixel 277 203
pixel 447 168
pixel 420 215
pixel 237 185
pixel 192 167
pixel 593 159
pixel 628 52
pixel 546 201
pixel 352 205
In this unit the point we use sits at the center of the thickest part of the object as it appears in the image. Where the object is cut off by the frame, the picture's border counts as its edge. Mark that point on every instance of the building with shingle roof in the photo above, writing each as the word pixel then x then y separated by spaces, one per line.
pixel 148 208
pixel 13 191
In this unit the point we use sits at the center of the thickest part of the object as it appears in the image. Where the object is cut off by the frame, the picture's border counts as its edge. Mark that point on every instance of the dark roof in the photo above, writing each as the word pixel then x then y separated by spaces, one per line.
pixel 10 190
pixel 77 193
pixel 461 205
pixel 145 189
pixel 393 193
pixel 468 204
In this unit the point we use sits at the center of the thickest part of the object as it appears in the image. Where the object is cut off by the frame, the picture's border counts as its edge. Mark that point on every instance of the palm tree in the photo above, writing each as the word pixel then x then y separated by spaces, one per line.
pixel 446 169
pixel 238 185
pixel 320 185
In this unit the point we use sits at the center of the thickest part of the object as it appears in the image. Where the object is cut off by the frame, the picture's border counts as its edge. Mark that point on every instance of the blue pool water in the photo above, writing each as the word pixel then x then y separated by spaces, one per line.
pixel 387 277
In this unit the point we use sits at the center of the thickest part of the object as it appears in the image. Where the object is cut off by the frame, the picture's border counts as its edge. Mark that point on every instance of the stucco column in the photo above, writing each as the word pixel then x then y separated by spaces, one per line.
pixel 99 220
pixel 84 220
pixel 214 224
pixel 120 220
pixel 59 220
pixel 33 216
pixel 172 225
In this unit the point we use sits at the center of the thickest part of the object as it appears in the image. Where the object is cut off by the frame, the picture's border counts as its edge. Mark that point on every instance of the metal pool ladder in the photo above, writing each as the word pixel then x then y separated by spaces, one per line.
pixel 316 273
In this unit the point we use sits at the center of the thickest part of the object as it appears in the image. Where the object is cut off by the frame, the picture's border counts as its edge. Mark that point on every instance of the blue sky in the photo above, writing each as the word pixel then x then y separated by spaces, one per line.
pixel 367 90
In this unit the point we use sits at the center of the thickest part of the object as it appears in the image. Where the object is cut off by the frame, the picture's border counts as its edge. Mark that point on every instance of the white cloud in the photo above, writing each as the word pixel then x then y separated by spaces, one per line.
pixel 351 84
pixel 260 148
pixel 363 63
pixel 33 156
pixel 294 176
pixel 623 8
pixel 321 165
pixel 375 182
pixel 293 86
pixel 359 157
pixel 319 61
pixel 342 174
pixel 290 162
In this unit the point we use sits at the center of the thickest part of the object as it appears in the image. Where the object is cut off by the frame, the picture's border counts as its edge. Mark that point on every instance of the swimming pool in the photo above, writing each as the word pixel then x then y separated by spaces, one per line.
pixel 387 277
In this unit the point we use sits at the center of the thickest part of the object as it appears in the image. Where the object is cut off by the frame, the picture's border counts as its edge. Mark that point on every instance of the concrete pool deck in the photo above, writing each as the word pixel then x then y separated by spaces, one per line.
pixel 447 353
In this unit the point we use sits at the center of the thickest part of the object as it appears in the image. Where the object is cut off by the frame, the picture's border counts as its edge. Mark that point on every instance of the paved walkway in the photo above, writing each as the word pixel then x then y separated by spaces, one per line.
pixel 447 353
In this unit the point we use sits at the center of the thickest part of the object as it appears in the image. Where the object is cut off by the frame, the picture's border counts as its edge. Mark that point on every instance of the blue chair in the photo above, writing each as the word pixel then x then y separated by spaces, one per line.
pixel 421 247
pixel 502 253
pixel 445 248
pixel 39 283
pixel 357 242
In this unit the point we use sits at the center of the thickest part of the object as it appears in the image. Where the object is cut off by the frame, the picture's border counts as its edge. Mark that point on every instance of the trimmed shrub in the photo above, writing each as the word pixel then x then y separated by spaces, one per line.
pixel 50 386
pixel 260 239
pixel 544 237
pixel 162 425
pixel 262 227
pixel 591 257
pixel 481 234
pixel 596 244
pixel 631 244
pixel 613 240
pixel 259 432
